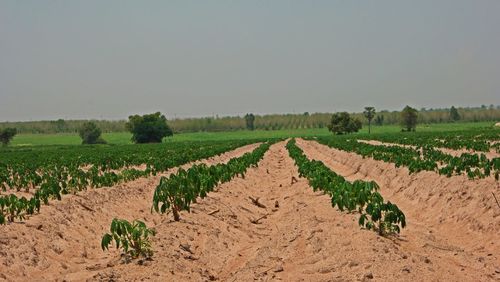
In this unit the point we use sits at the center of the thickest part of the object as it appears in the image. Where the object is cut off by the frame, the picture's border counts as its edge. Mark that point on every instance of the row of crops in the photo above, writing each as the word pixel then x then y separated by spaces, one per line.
pixel 176 193
pixel 359 195
pixel 52 172
pixel 424 157
pixel 481 140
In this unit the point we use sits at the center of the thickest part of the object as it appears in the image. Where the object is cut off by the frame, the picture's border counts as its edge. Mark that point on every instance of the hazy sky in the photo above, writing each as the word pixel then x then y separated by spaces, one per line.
pixel 110 59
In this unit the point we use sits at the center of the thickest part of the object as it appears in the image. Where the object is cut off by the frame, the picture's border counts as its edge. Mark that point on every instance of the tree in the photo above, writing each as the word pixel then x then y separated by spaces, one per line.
pixel 379 120
pixel 354 125
pixel 339 122
pixel 150 128
pixel 6 135
pixel 343 123
pixel 409 117
pixel 454 115
pixel 60 125
pixel 91 134
pixel 369 114
pixel 249 120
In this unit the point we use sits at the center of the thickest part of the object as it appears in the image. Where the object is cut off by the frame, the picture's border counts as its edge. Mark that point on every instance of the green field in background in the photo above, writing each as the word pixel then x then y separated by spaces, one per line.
pixel 124 137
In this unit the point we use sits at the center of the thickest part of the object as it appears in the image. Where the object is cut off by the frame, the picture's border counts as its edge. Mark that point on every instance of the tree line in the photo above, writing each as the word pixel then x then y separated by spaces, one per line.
pixel 152 128
pixel 265 122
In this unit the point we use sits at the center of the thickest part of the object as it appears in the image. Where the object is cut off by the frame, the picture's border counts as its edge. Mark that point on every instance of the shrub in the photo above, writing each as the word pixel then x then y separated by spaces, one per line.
pixel 6 135
pixel 91 134
pixel 151 128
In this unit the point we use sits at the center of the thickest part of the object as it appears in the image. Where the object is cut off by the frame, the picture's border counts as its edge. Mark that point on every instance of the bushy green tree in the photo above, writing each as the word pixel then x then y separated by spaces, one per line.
pixel 249 120
pixel 409 117
pixel 454 115
pixel 354 125
pixel 150 128
pixel 343 123
pixel 6 135
pixel 90 134
pixel 369 114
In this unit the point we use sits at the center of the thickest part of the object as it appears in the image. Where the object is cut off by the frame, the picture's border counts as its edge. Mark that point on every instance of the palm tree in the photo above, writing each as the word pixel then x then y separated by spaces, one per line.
pixel 369 114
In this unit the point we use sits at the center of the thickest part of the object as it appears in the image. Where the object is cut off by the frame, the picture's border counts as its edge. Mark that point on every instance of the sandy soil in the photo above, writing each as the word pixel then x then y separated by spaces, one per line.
pixel 299 237
pixel 63 237
pixel 450 219
pixel 456 153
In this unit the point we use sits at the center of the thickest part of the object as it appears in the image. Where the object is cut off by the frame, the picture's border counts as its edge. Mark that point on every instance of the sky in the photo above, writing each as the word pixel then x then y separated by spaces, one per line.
pixel 110 59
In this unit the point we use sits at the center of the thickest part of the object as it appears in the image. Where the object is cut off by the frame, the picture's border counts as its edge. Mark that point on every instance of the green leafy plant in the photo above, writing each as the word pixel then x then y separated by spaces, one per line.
pixel 384 217
pixel 176 192
pixel 359 195
pixel 12 207
pixel 53 172
pixel 132 238
pixel 423 157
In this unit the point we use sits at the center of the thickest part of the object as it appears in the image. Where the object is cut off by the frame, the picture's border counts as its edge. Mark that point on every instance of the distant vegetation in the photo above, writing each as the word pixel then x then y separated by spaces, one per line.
pixel 6 135
pixel 409 117
pixel 369 114
pixel 250 121
pixel 454 115
pixel 91 134
pixel 267 122
pixel 150 128
pixel 342 123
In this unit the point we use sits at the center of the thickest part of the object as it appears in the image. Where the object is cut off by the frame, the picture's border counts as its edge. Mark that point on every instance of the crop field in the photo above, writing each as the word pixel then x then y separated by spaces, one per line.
pixel 301 205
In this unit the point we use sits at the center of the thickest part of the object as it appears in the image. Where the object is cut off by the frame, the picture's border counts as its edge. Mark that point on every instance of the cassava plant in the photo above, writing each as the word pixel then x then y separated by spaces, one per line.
pixel 350 196
pixel 176 192
pixel 50 174
pixel 132 238
pixel 173 193
pixel 383 217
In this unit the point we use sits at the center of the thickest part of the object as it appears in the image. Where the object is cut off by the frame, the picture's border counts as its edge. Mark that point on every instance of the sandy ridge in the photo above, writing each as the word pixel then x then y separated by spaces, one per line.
pixel 444 213
pixel 63 236
pixel 302 238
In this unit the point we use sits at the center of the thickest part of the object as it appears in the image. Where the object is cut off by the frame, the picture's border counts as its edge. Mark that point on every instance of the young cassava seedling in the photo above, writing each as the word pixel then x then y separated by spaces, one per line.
pixel 132 238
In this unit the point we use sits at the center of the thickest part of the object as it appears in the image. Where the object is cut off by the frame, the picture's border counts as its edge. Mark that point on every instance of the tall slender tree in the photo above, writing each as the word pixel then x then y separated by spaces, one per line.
pixel 454 115
pixel 369 114
pixel 409 117
pixel 249 120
